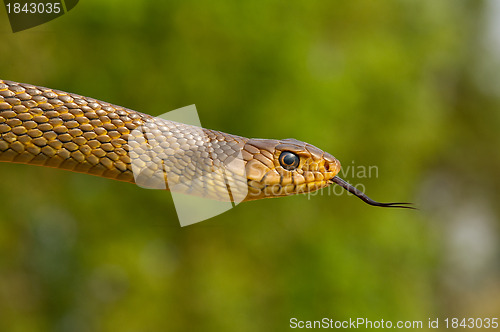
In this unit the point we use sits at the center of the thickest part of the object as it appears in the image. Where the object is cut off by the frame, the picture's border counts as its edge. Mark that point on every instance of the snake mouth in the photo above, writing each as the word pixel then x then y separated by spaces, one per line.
pixel 366 199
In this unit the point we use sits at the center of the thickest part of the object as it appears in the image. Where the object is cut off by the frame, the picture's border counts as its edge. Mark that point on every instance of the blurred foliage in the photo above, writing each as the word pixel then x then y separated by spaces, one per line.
pixel 404 85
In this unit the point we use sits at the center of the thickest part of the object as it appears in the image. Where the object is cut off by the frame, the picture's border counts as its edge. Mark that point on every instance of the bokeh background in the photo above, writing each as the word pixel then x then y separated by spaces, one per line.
pixel 409 86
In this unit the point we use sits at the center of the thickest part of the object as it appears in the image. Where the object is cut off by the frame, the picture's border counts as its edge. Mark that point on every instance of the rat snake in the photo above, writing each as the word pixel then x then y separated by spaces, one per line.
pixel 46 127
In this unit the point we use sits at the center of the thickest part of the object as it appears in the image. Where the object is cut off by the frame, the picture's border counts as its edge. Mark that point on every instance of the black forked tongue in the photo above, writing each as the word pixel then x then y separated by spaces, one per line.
pixel 367 199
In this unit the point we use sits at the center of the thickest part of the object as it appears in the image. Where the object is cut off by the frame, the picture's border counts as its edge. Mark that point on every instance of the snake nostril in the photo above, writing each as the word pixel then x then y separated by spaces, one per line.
pixel 327 167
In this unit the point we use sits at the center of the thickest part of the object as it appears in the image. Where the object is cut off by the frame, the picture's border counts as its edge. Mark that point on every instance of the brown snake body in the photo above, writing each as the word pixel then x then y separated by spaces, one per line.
pixel 46 127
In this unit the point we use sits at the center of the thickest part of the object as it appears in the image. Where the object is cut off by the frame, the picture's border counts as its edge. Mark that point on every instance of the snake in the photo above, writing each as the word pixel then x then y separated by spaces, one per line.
pixel 52 128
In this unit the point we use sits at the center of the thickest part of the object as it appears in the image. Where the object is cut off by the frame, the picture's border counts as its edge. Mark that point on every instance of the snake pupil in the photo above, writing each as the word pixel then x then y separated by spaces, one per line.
pixel 289 160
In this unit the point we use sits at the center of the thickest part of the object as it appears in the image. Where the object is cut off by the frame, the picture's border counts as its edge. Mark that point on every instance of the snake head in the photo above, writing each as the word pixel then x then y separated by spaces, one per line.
pixel 276 168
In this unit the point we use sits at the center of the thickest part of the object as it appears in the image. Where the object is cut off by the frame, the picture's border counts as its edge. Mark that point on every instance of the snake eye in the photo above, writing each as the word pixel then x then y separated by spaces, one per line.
pixel 289 160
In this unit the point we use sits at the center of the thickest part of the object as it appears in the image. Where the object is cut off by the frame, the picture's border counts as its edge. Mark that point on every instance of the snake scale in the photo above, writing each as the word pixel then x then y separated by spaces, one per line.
pixel 52 128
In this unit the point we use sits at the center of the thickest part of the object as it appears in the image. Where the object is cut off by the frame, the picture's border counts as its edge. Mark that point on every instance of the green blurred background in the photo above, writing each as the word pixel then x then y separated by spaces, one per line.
pixel 411 87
